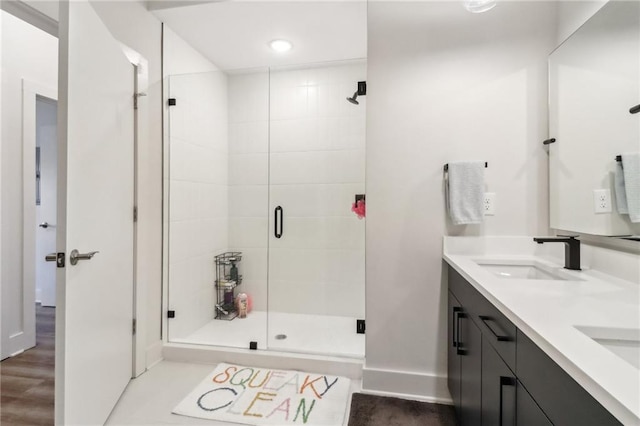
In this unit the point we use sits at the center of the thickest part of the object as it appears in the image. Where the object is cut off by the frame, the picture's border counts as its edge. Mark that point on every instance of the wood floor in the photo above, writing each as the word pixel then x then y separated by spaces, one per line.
pixel 27 380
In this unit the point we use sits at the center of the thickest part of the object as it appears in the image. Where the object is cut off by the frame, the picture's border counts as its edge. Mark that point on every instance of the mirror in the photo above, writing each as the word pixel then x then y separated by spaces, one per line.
pixel 594 80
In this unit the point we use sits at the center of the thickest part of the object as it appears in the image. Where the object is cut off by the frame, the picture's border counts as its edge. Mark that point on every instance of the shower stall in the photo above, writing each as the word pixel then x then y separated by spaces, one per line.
pixel 262 169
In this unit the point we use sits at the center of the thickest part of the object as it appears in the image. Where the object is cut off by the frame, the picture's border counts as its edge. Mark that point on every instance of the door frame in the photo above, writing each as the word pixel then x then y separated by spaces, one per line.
pixel 140 295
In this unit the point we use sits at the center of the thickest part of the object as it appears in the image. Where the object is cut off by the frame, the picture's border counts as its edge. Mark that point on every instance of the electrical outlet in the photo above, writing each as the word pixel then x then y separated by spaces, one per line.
pixel 602 201
pixel 489 204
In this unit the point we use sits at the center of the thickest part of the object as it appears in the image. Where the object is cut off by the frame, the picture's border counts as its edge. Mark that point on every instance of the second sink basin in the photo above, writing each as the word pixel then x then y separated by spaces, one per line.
pixel 523 269
pixel 624 342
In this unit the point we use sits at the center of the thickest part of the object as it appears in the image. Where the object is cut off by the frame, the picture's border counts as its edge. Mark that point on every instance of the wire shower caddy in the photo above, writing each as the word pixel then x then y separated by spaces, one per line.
pixel 228 279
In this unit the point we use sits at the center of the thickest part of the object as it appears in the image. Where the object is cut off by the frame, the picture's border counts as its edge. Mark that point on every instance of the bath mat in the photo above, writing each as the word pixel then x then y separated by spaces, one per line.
pixel 372 410
pixel 262 396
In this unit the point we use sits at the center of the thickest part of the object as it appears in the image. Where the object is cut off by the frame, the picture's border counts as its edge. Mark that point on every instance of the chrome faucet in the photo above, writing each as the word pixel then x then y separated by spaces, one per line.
pixel 571 250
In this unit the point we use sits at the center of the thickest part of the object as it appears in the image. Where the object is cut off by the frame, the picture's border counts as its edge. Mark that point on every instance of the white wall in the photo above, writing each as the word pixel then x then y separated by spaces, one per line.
pixel 444 85
pixel 198 196
pixel 572 14
pixel 2 339
pixel 29 54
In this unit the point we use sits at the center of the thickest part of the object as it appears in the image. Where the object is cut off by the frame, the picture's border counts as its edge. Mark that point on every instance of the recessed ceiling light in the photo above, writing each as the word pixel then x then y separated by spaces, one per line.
pixel 280 45
pixel 479 6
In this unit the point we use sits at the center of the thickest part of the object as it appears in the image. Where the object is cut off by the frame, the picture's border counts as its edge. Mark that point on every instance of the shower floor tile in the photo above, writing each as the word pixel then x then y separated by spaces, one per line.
pixel 311 334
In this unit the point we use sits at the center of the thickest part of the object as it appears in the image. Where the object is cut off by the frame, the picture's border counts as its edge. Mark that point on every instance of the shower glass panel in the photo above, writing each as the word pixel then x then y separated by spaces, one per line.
pixel 217 180
pixel 316 243
pixel 242 146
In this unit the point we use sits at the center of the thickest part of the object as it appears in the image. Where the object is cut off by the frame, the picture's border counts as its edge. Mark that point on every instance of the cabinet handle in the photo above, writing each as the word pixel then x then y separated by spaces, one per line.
pixel 456 312
pixel 485 319
pixel 459 350
pixel 504 381
pixel 278 219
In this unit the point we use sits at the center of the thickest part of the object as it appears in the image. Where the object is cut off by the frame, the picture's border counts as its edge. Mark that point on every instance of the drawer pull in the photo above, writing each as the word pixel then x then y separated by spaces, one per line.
pixel 505 381
pixel 485 320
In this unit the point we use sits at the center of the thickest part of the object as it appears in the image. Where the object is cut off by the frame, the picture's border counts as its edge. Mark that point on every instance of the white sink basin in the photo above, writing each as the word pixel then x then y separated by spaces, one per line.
pixel 523 269
pixel 624 342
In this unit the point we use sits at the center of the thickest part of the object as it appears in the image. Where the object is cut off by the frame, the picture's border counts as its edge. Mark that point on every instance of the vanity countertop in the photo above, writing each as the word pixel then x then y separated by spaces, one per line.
pixel 548 311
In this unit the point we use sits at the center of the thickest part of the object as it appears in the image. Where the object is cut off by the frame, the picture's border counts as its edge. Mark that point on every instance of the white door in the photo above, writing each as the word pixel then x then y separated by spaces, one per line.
pixel 95 213
pixel 45 225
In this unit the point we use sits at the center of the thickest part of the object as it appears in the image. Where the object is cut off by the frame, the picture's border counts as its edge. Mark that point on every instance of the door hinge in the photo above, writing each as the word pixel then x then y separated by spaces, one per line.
pixel 171 314
pixel 135 99
pixel 360 326
pixel 134 326
pixel 135 213
pixel 172 101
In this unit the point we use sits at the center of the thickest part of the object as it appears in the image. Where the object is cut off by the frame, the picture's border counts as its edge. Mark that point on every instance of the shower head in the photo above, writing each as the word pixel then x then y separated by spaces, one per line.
pixel 362 91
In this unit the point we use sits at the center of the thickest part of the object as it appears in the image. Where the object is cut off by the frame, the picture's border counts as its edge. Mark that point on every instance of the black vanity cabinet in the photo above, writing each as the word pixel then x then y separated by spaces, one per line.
pixel 527 411
pixel 465 362
pixel 498 389
pixel 499 377
pixel 453 359
pixel 561 398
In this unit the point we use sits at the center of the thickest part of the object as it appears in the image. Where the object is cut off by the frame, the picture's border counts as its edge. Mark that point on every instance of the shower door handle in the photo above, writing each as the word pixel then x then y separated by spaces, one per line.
pixel 278 221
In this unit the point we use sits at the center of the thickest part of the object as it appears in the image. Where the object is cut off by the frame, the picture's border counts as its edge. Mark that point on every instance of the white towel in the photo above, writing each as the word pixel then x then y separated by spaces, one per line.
pixel 631 167
pixel 618 186
pixel 465 192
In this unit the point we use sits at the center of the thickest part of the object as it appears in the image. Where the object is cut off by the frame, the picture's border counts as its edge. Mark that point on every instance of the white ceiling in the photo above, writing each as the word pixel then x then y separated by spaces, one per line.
pixel 235 34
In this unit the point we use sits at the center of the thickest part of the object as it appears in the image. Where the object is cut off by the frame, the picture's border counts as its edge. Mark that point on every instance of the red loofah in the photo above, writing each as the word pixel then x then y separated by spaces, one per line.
pixel 359 208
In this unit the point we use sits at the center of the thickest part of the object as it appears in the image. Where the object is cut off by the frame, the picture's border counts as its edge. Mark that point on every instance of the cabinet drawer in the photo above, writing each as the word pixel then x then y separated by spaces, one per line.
pixel 561 398
pixel 495 327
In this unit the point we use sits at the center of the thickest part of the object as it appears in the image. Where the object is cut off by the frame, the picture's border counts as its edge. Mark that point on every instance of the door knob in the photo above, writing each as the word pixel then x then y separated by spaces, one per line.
pixel 45 225
pixel 75 256
pixel 51 257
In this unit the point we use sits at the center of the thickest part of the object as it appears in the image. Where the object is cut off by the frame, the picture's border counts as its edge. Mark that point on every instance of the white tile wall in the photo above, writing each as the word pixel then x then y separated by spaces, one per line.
pixel 249 169
pixel 198 196
pixel 341 166
pixel 319 200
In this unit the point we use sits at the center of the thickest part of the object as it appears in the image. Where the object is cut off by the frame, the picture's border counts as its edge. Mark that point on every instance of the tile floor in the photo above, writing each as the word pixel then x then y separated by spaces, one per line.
pixel 311 334
pixel 149 399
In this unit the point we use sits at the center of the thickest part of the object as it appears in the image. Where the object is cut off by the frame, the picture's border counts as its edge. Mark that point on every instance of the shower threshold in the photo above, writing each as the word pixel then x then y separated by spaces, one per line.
pixel 299 333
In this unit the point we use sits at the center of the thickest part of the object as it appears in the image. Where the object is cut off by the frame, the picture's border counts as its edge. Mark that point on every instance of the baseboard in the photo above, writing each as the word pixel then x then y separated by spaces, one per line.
pixel 154 354
pixel 406 384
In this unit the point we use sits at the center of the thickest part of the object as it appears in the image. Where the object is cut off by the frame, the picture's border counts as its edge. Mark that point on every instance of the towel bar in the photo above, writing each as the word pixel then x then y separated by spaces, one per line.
pixel 446 166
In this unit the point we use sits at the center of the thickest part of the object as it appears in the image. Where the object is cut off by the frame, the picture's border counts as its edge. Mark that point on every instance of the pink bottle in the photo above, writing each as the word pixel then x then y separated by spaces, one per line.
pixel 242 303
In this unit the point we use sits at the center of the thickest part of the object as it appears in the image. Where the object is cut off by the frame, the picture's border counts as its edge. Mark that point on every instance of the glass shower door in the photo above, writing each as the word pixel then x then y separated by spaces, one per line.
pixel 216 175
pixel 316 243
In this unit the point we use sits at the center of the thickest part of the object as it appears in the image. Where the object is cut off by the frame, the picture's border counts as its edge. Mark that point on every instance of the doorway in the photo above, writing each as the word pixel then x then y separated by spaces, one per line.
pixel 28 377
pixel 45 203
